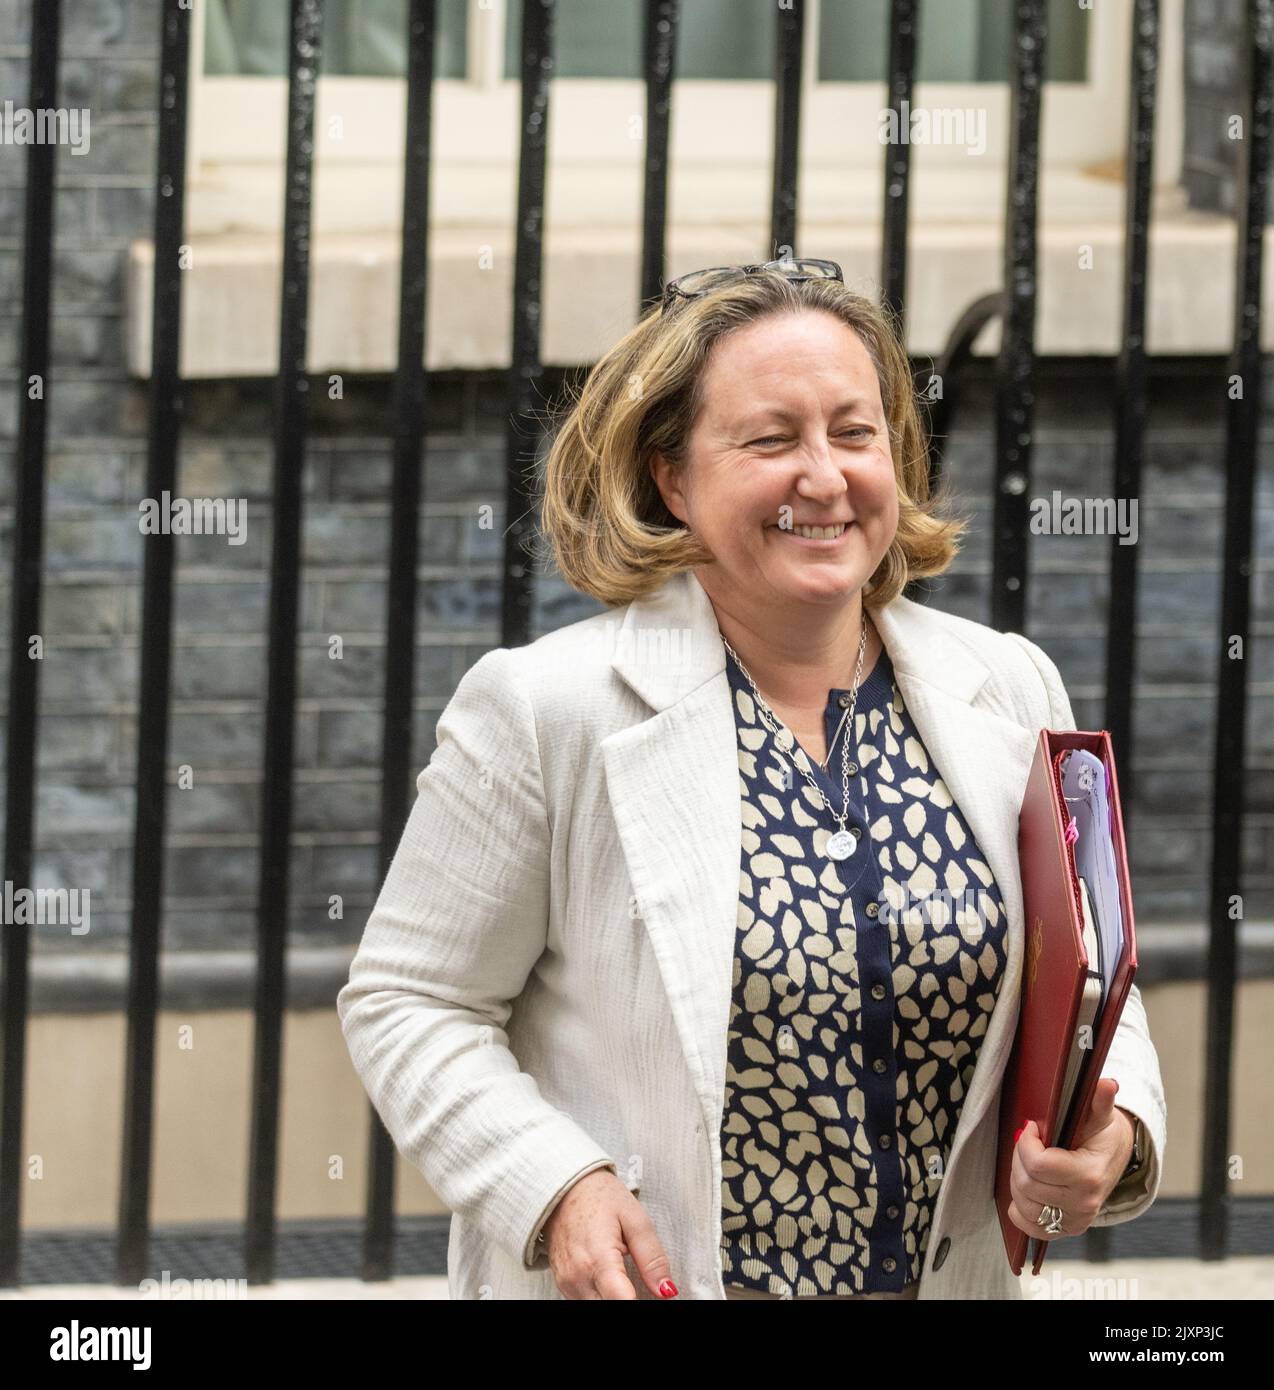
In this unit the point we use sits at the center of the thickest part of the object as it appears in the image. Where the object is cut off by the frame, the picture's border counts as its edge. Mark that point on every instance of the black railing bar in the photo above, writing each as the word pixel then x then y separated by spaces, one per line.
pixel 659 57
pixel 291 427
pixel 25 623
pixel 1228 793
pixel 154 681
pixel 789 39
pixel 904 28
pixel 525 368
pixel 411 383
pixel 1015 364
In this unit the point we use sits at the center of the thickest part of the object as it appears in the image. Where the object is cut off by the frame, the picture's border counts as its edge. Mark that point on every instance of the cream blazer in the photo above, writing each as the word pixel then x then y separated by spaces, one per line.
pixel 543 985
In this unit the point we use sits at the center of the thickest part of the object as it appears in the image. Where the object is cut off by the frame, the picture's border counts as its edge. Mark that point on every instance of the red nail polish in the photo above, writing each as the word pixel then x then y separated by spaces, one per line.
pixel 667 1289
pixel 1018 1135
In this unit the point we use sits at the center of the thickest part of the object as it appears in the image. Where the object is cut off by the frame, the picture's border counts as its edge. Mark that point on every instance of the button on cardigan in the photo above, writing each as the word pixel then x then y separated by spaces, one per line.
pixel 861 992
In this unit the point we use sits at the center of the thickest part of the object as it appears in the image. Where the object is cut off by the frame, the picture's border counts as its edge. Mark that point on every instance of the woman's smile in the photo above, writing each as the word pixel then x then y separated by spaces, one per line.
pixel 822 537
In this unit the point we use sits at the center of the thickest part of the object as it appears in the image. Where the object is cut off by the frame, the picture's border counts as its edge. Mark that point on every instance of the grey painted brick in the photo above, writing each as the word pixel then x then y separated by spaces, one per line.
pixel 346 805
pixel 211 742
pixel 77 87
pixel 94 24
pixel 127 85
pixel 83 743
pixel 15 21
pixel 97 409
pixel 349 738
pixel 88 675
pixel 218 672
pixel 211 871
pixel 109 541
pixel 219 607
pixel 212 470
pixel 211 929
pixel 81 480
pixel 335 537
pixel 66 809
pixel 358 475
pixel 85 278
pixel 86 340
pixel 439 539
pixel 124 213
pixel 358 671
pixel 78 609
pixel 247 549
pixel 460 604
pixel 74 868
pixel 463 472
pixel 209 806
pixel 352 605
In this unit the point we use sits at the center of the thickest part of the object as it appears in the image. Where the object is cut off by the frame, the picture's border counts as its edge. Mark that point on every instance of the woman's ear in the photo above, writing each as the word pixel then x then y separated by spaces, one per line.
pixel 668 480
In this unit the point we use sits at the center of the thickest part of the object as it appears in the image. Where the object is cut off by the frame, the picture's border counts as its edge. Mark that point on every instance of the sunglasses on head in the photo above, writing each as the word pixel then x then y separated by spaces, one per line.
pixel 700 282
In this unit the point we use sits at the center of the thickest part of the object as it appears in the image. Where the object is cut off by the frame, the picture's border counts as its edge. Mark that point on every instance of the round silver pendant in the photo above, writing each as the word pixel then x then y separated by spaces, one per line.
pixel 842 844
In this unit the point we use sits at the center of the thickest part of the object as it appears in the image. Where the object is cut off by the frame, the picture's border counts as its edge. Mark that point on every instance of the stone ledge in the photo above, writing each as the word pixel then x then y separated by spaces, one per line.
pixel 231 291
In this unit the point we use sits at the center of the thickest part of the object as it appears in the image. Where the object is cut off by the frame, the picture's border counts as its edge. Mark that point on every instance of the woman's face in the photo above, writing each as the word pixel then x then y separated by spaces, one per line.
pixel 792 433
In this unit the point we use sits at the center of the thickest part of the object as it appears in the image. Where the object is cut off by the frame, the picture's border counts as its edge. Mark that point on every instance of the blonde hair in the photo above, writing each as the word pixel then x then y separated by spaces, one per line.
pixel 613 537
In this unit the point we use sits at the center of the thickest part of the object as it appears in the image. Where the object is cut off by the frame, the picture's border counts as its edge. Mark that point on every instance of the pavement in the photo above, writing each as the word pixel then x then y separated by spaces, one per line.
pixel 1196 1280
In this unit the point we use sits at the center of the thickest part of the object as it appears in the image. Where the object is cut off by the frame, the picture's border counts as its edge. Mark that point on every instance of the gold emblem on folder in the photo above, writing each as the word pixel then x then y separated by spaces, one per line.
pixel 1034 949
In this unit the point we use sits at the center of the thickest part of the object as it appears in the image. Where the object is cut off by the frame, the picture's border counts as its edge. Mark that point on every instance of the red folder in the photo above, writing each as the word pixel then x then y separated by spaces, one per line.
pixel 1055 969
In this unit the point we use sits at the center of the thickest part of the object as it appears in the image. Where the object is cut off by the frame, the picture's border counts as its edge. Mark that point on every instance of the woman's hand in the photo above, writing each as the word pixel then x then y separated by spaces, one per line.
pixel 590 1231
pixel 1078 1180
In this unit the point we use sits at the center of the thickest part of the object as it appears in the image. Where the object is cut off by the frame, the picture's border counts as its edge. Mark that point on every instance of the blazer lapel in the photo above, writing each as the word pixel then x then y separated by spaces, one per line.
pixel 673 785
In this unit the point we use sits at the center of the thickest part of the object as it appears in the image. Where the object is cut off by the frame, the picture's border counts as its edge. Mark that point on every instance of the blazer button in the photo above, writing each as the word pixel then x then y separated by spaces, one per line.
pixel 877 991
pixel 885 1141
pixel 941 1253
pixel 889 1264
pixel 843 701
pixel 891 1211
pixel 878 1065
pixel 872 909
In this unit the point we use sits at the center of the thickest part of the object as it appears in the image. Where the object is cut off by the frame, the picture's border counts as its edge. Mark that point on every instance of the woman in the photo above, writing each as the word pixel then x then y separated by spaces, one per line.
pixel 702 946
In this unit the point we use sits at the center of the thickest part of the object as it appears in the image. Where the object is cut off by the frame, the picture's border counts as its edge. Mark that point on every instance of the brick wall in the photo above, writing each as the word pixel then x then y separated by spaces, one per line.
pixel 96 470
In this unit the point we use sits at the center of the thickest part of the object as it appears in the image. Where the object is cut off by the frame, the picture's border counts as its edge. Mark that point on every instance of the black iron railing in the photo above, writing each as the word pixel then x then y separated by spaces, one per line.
pixel 1014 305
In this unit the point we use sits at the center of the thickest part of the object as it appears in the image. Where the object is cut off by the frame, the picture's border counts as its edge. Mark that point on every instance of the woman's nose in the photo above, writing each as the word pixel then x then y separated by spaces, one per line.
pixel 821 475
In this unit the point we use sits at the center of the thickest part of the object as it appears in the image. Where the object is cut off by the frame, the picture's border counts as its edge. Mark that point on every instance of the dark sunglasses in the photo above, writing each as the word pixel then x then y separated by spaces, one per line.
pixel 700 282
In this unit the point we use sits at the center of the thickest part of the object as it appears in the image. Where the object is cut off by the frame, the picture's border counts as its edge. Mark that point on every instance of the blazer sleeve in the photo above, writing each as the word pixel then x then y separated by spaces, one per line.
pixel 1132 1059
pixel 457 926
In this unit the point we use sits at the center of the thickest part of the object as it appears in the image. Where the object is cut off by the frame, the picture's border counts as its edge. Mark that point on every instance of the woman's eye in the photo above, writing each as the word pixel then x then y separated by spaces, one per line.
pixel 859 429
pixel 768 439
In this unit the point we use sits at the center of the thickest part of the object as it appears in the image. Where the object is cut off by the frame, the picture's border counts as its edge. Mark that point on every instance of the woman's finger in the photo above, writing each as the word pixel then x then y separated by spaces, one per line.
pixel 647 1251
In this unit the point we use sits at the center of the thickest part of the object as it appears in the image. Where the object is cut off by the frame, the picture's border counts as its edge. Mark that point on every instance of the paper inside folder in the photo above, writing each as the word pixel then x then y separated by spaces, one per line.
pixel 1084 785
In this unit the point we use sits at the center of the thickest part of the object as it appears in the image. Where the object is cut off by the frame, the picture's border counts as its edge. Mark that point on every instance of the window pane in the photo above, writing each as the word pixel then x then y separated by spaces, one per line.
pixel 361 38
pixel 960 41
pixel 602 38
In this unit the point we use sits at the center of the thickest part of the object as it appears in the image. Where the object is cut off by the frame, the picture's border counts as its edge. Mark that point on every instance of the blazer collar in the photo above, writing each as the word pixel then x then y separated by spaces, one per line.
pixel 669 644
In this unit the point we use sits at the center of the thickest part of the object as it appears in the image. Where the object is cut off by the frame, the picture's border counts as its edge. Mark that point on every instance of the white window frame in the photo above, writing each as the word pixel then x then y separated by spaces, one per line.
pixel 721 138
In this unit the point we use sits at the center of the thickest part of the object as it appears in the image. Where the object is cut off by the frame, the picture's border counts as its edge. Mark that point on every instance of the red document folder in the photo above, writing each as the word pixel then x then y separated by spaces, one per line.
pixel 1055 970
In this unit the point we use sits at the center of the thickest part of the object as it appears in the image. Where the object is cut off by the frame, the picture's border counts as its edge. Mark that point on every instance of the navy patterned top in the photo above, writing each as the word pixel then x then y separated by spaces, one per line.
pixel 861 993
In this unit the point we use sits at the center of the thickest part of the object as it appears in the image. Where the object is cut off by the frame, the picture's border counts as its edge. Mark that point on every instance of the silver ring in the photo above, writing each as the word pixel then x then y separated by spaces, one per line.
pixel 1051 1223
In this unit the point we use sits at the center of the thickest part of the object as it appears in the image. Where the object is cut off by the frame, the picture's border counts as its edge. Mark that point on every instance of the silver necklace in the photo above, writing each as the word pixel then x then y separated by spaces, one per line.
pixel 844 842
